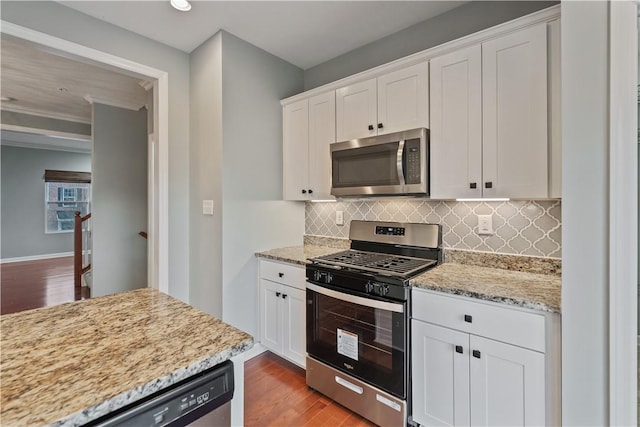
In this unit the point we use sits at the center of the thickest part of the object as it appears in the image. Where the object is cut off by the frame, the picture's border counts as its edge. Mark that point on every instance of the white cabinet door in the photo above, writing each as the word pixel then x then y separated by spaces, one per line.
pixel 322 132
pixel 456 124
pixel 270 316
pixel 514 82
pixel 294 325
pixel 295 146
pixel 403 99
pixel 440 375
pixel 507 384
pixel 356 111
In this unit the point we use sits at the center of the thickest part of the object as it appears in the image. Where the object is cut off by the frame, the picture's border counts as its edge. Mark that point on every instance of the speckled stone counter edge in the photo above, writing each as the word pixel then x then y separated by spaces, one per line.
pixel 331 242
pixel 523 263
pixel 123 399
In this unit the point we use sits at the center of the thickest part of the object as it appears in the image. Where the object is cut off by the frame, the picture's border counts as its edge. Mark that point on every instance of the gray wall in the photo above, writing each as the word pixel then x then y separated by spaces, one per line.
pixel 585 154
pixel 461 21
pixel 236 139
pixel 254 216
pixel 23 210
pixel 119 205
pixel 63 22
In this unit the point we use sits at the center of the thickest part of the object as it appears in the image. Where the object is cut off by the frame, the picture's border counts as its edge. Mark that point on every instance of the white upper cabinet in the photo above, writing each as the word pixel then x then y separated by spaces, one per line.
pixel 322 132
pixel 308 129
pixel 456 124
pixel 356 111
pixel 489 119
pixel 514 110
pixel 403 99
pixel 393 102
pixel 296 150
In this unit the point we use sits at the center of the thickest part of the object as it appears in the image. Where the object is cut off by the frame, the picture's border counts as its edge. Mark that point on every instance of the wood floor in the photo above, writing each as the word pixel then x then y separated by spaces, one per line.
pixel 34 284
pixel 276 394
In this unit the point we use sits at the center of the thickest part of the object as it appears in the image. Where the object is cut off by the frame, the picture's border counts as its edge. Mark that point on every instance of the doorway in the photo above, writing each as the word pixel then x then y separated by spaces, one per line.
pixel 158 154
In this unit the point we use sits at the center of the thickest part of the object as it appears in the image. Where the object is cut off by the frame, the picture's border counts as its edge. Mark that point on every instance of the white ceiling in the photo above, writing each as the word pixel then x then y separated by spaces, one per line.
pixel 303 33
pixel 43 82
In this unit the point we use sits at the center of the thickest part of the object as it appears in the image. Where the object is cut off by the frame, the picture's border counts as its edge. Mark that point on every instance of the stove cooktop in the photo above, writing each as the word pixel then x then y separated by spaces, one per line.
pixel 388 264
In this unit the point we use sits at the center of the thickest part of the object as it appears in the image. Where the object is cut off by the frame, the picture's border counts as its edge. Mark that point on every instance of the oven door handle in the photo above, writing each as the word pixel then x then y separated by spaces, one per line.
pixel 367 302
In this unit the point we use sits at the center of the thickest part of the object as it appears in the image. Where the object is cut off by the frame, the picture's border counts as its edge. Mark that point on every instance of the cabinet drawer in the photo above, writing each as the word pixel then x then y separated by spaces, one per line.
pixel 286 274
pixel 502 324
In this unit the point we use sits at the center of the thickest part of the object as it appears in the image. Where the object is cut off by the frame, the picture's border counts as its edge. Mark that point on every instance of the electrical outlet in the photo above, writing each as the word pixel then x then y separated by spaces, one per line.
pixel 485 224
pixel 339 217
pixel 207 207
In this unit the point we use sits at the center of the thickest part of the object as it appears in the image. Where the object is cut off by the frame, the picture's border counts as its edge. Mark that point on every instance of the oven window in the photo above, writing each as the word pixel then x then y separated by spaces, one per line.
pixel 365 166
pixel 366 342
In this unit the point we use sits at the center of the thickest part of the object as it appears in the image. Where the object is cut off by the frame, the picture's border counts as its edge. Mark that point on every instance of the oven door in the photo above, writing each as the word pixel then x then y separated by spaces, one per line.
pixel 363 337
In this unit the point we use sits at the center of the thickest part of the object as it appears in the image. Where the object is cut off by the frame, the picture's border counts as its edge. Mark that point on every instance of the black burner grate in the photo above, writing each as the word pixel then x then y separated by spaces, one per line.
pixel 377 262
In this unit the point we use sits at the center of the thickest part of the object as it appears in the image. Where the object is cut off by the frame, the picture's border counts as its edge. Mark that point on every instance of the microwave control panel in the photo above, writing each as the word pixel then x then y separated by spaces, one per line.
pixel 413 161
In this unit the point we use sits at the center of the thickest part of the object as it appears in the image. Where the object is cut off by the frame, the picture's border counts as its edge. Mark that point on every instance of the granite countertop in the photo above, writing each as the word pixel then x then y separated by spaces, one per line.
pixel 529 290
pixel 530 282
pixel 298 254
pixel 69 364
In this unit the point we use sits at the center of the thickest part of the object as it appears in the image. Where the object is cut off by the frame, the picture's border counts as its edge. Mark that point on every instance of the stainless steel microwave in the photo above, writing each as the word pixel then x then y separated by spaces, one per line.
pixel 385 165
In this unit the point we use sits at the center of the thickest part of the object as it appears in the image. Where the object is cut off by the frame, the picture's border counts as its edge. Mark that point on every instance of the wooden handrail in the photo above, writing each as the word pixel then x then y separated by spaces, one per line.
pixel 78 269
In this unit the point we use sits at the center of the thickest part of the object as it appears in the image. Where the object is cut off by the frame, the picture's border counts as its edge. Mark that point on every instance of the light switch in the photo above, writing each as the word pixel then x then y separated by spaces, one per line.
pixel 485 224
pixel 339 217
pixel 207 207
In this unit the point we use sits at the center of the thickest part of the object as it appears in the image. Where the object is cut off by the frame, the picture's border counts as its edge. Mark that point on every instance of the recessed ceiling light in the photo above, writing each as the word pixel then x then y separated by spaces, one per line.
pixel 182 5
pixel 7 99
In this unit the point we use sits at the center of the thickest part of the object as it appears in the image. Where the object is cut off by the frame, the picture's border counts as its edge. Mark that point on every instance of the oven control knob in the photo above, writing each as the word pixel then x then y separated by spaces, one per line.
pixel 384 290
pixel 328 278
pixel 369 287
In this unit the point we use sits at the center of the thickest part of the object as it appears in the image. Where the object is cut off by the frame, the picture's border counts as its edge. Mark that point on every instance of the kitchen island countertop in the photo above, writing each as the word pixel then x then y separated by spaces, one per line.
pixel 69 364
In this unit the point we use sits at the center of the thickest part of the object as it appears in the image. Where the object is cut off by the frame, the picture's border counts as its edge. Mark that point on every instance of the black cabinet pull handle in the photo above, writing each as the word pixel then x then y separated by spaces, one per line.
pixel 310 191
pixel 304 191
pixel 380 125
pixel 280 274
pixel 488 184
pixel 278 294
pixel 459 349
pixel 476 354
pixel 284 296
pixel 370 127
pixel 468 318
pixel 473 185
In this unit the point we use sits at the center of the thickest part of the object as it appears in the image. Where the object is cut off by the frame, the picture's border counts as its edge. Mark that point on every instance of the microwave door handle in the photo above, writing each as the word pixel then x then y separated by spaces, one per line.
pixel 400 163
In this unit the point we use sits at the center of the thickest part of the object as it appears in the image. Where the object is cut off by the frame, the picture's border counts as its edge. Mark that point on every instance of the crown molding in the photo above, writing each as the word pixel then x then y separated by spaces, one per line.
pixel 46 114
pixel 113 103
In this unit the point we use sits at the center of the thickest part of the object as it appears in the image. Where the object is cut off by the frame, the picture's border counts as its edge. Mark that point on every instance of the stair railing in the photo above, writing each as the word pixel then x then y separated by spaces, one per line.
pixel 81 248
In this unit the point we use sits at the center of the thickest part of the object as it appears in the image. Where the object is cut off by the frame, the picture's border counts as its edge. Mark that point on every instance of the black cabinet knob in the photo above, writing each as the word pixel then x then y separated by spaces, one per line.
pixel 459 349
pixel 278 294
pixel 280 274
pixel 304 191
pixel 476 354
pixel 370 127
pixel 468 318
pixel 473 185
pixel 380 126
pixel 284 296
pixel 488 184
pixel 310 191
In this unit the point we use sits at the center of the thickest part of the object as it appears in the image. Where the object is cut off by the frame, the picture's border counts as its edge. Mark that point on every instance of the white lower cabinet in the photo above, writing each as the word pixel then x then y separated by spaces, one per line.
pixel 460 378
pixel 282 311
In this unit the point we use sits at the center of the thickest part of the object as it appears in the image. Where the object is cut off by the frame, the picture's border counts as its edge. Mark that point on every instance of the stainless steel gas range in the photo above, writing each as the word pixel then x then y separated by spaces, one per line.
pixel 358 304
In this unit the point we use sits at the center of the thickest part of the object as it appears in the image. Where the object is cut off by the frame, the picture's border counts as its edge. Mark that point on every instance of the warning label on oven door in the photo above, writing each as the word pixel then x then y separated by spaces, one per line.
pixel 347 344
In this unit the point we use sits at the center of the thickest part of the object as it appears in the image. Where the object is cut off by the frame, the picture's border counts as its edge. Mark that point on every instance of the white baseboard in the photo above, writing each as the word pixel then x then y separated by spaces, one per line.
pixel 36 257
pixel 254 351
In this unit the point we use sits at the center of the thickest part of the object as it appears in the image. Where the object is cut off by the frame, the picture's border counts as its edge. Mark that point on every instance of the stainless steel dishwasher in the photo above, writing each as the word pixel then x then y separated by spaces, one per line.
pixel 203 400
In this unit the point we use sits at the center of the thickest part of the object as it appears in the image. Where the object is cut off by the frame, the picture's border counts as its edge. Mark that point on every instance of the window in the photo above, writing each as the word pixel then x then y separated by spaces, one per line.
pixel 62 200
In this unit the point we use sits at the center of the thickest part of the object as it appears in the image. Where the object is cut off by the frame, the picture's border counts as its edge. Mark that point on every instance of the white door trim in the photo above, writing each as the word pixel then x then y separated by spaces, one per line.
pixel 623 212
pixel 159 263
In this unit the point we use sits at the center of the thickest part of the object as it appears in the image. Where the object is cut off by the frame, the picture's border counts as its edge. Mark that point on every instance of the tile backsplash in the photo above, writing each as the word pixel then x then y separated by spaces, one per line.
pixel 520 227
